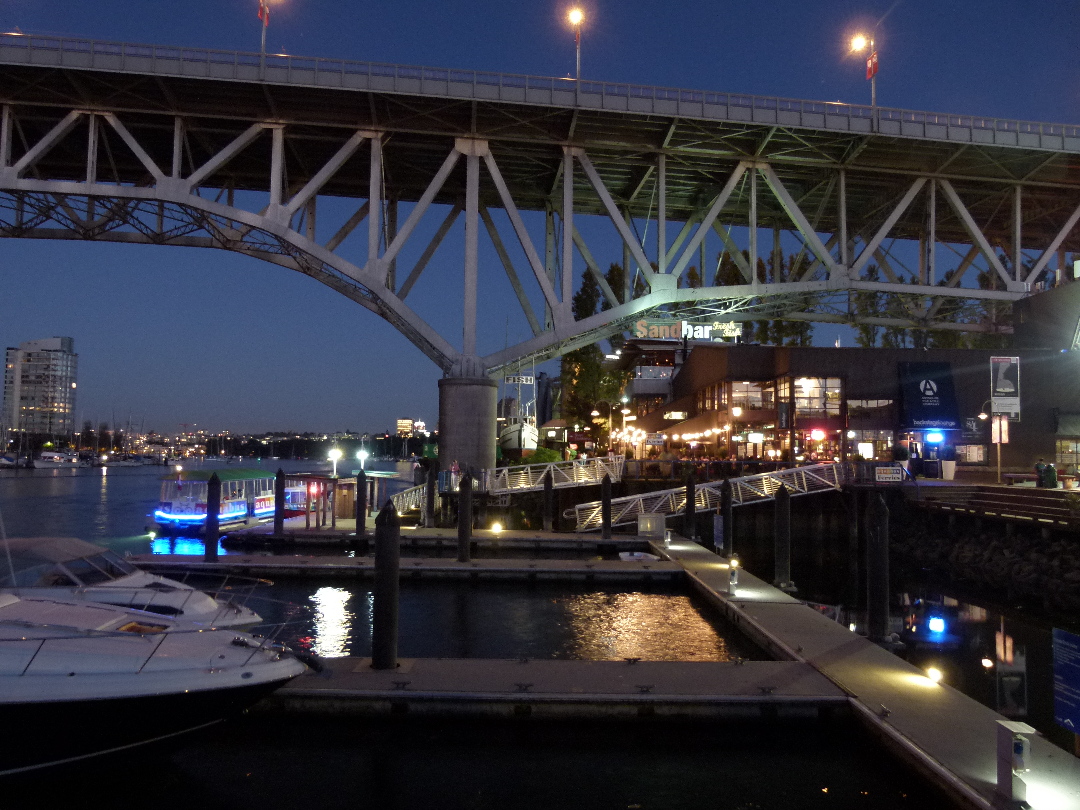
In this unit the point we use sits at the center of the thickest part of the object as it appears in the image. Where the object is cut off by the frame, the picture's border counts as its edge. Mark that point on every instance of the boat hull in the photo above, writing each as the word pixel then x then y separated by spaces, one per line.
pixel 60 732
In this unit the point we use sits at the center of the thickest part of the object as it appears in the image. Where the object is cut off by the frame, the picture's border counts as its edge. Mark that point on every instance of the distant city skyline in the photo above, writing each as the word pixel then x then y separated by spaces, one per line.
pixel 168 337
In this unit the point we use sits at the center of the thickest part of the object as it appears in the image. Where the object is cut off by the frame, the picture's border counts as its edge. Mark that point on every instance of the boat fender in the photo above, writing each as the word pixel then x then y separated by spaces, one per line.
pixel 309 659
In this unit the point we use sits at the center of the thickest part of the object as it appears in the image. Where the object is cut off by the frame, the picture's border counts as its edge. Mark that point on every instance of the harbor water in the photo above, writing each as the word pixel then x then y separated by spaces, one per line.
pixel 276 761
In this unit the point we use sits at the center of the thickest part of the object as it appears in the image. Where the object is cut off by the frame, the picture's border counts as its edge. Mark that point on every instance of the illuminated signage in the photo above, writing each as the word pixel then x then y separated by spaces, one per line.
pixel 680 415
pixel 680 330
pixel 519 380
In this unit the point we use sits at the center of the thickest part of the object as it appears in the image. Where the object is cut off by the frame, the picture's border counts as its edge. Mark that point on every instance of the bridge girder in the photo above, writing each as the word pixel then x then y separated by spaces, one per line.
pixel 142 157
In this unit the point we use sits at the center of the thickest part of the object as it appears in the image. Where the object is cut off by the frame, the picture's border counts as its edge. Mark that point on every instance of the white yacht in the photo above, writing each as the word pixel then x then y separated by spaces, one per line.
pixel 70 568
pixel 80 679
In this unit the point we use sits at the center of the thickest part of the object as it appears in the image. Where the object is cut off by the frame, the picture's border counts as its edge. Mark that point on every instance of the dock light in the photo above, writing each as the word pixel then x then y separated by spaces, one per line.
pixel 496 528
pixel 334 455
pixel 733 573
pixel 936 624
pixel 935 438
pixel 934 674
pixel 988 663
pixel 362 456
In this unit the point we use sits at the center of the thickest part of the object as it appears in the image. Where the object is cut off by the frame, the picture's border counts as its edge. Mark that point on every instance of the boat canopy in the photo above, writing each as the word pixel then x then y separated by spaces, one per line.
pixel 34 559
pixel 237 474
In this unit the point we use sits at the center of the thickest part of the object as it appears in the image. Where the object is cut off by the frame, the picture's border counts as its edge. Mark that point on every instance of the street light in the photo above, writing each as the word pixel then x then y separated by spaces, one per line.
pixel 362 456
pixel 334 455
pixel 859 44
pixel 576 17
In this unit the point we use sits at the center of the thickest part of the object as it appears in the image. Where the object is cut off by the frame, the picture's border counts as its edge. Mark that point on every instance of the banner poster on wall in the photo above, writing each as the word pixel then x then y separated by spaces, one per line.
pixel 1005 386
pixel 927 397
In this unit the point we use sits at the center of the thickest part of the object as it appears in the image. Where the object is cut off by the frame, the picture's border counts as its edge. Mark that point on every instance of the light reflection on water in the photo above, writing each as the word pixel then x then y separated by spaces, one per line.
pixel 333 621
pixel 447 619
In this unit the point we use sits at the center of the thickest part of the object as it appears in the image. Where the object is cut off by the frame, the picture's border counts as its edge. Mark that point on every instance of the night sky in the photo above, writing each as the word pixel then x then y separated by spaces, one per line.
pixel 181 335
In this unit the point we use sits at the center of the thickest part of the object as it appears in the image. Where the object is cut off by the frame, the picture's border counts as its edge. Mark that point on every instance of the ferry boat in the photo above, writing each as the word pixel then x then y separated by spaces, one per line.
pixel 247 496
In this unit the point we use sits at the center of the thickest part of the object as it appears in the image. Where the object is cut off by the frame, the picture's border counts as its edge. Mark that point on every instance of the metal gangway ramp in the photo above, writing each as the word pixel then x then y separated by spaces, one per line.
pixel 521 478
pixel 747 489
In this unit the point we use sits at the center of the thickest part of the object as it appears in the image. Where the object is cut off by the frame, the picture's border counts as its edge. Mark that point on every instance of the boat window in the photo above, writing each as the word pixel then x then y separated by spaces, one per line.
pixel 112 565
pixel 85 573
pixel 142 628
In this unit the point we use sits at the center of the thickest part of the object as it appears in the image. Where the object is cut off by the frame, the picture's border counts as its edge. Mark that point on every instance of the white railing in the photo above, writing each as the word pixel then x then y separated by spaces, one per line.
pixel 748 489
pixel 522 478
pixel 410 500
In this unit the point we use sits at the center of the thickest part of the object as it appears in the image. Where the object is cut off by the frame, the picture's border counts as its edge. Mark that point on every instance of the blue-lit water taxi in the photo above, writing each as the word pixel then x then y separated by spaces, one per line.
pixel 247 496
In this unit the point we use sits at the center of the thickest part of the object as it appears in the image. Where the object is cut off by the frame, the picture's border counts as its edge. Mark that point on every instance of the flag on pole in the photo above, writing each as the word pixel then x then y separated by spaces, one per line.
pixel 871 65
pixel 264 12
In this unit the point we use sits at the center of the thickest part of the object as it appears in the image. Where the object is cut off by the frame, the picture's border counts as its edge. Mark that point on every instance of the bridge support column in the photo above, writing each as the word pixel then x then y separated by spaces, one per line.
pixel 467 423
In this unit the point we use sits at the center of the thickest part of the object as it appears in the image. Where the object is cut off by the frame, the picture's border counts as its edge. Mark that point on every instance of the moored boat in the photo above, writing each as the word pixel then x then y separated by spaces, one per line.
pixel 79 679
pixel 247 496
pixel 56 458
pixel 69 568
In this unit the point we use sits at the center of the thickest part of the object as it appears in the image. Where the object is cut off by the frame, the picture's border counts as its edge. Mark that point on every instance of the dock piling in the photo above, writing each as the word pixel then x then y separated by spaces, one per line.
pixel 213 509
pixel 384 619
pixel 549 502
pixel 690 514
pixel 877 568
pixel 605 507
pixel 727 517
pixel 429 494
pixel 279 502
pixel 851 587
pixel 464 526
pixel 782 540
pixel 361 505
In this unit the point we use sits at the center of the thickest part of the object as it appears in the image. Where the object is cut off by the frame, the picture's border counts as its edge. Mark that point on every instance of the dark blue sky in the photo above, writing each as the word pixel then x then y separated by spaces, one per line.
pixel 170 336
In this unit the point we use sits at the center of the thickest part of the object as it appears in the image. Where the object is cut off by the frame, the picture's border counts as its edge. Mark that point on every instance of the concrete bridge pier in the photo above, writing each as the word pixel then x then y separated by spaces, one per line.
pixel 467 422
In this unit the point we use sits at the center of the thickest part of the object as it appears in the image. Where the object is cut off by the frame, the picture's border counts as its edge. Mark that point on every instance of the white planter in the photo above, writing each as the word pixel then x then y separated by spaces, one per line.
pixel 948 470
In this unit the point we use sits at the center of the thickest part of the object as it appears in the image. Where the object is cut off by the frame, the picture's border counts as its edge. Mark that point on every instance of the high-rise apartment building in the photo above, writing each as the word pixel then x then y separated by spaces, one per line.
pixel 39 387
pixel 404 427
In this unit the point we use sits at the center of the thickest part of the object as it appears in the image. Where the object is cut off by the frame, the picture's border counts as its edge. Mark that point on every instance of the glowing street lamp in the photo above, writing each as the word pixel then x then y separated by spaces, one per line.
pixel 334 455
pixel 362 456
pixel 576 17
pixel 860 43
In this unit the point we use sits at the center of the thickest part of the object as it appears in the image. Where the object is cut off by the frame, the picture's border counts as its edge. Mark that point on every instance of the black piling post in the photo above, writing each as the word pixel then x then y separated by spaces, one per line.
pixel 727 516
pixel 464 523
pixel 549 502
pixel 782 540
pixel 384 619
pixel 605 507
pixel 690 515
pixel 361 505
pixel 851 587
pixel 213 509
pixel 279 503
pixel 877 569
pixel 429 494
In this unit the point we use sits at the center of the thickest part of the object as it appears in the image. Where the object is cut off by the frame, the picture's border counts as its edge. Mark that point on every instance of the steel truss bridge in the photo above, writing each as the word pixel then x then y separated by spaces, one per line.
pixel 354 173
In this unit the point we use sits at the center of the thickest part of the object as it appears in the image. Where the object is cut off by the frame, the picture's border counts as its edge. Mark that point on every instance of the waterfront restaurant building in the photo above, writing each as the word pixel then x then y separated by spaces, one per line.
pixel 816 403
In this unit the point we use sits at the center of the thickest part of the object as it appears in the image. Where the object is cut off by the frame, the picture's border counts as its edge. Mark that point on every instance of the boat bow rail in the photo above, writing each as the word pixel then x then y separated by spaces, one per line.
pixel 521 478
pixel 747 489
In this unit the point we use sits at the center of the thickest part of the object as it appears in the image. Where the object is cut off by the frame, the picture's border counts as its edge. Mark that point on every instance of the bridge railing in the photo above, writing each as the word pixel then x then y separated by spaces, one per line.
pixel 323 72
pixel 748 489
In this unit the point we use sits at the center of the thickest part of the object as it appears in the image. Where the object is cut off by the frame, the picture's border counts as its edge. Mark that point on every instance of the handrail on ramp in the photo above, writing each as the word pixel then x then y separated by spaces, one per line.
pixel 521 478
pixel 747 489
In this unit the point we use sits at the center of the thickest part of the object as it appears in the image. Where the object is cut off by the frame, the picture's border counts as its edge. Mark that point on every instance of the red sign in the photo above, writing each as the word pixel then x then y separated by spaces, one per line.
pixel 871 66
